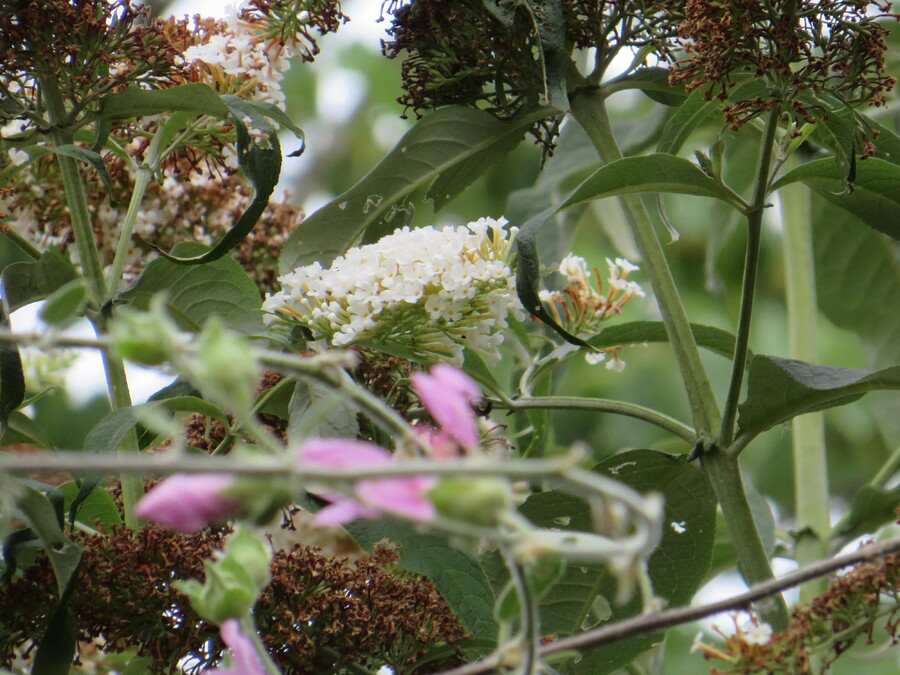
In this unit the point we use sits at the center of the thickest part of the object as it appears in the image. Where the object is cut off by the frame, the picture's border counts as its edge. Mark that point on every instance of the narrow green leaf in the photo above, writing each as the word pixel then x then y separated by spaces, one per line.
pixel 870 508
pixel 873 197
pixel 451 145
pixel 65 303
pixel 27 282
pixel 659 172
pixel 12 377
pixel 459 578
pixel 197 292
pixel 779 389
pixel 22 429
pixel 654 82
pixel 696 110
pixel 262 167
pixel 44 519
pixel 56 651
pixel 82 155
pixel 136 102
pixel 637 332
pixel 528 276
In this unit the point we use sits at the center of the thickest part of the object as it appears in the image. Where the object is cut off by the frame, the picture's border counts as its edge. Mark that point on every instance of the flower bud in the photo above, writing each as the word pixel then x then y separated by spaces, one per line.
pixel 224 367
pixel 147 338
pixel 480 501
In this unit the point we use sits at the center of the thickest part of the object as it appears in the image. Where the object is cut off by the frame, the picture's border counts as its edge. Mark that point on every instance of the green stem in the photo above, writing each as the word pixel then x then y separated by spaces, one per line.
pixel 76 199
pixel 589 110
pixel 808 431
pixel 624 408
pixel 748 290
pixel 725 476
pixel 141 181
pixel 89 257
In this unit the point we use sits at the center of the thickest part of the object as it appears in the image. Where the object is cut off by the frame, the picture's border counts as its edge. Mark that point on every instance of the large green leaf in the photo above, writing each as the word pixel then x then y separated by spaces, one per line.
pixel 459 578
pixel 873 195
pixel 27 282
pixel 857 284
pixel 12 378
pixel 677 566
pixel 446 150
pixel 870 508
pixel 194 293
pixel 99 505
pixel 654 82
pixel 779 389
pixel 655 173
pixel 318 410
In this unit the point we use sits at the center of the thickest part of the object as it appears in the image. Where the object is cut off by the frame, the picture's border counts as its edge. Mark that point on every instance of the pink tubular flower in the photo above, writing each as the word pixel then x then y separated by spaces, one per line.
pixel 402 495
pixel 244 659
pixel 448 394
pixel 189 502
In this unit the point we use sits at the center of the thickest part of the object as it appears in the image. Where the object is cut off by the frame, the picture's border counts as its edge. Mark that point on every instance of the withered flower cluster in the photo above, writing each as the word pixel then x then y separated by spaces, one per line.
pixel 833 46
pixel 494 54
pixel 863 602
pixel 317 611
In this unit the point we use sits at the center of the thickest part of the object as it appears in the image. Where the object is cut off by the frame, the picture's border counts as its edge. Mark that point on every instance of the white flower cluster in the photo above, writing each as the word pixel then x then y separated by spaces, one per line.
pixel 239 54
pixel 580 307
pixel 427 292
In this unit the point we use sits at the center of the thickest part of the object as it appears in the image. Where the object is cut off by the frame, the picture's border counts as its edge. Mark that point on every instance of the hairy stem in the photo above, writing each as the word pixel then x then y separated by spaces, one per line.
pixel 91 268
pixel 808 431
pixel 670 424
pixel 589 110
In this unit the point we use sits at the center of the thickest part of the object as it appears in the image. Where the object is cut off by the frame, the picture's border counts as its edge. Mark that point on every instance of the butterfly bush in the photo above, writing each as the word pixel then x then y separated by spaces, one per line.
pixel 581 308
pixel 429 291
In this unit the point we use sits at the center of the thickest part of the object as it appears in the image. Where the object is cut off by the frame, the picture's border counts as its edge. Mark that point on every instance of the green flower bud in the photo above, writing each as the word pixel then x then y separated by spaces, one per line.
pixel 233 580
pixel 479 501
pixel 224 367
pixel 148 338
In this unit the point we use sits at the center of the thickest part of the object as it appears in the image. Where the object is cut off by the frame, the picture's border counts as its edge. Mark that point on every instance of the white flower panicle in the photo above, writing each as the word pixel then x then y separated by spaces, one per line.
pixel 580 308
pixel 429 292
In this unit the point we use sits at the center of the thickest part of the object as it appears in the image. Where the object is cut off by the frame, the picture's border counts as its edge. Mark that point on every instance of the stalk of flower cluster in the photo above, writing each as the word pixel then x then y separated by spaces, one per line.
pixel 588 108
pixel 807 431
pixel 89 257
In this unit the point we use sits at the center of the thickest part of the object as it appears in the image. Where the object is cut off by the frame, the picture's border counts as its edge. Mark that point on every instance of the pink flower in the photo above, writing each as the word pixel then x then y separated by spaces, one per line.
pixel 244 659
pixel 402 495
pixel 448 394
pixel 189 502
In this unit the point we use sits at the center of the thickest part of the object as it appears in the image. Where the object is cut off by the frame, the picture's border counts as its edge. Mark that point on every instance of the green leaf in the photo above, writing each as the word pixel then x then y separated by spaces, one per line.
pixel 870 508
pixel 458 577
pixel 197 292
pixel 261 165
pixel 652 81
pixel 318 410
pixel 44 519
pixel 22 429
pixel 696 110
pixel 136 102
pixel 446 149
pixel 779 389
pixel 656 173
pixel 528 276
pixel 97 506
pixel 635 332
pixel 863 266
pixel 87 156
pixel 12 378
pixel 65 303
pixel 27 282
pixel 873 196
pixel 677 566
